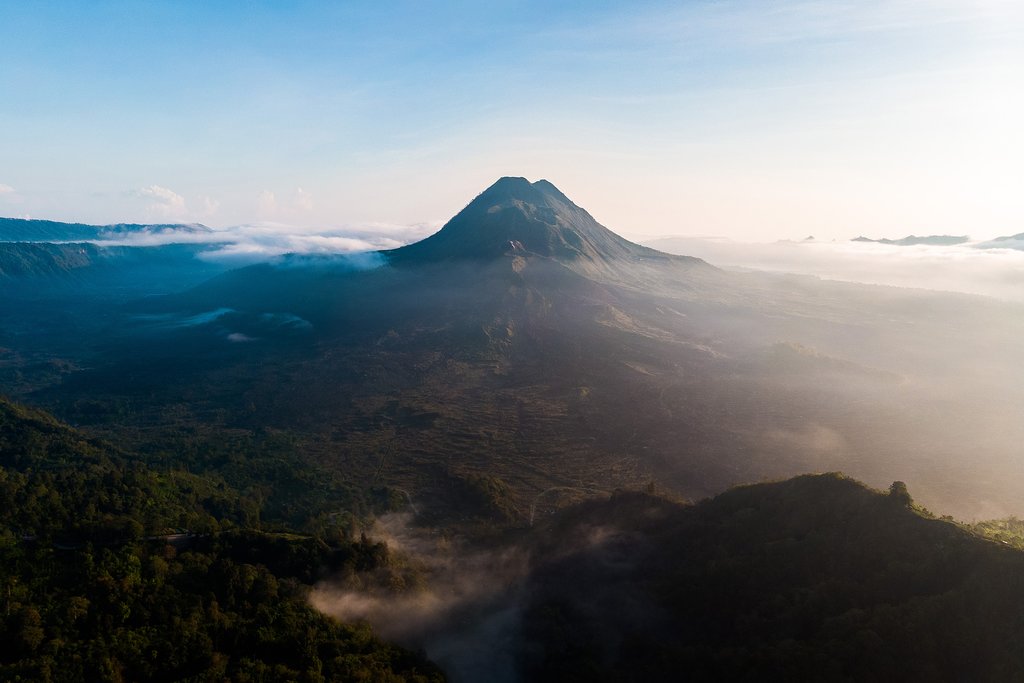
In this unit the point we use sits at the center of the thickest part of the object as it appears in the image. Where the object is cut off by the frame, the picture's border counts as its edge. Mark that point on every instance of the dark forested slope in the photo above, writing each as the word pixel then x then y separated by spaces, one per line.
pixel 113 571
pixel 814 578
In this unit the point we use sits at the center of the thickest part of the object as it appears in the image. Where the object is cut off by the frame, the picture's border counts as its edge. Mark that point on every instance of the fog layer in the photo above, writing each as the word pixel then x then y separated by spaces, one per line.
pixel 987 268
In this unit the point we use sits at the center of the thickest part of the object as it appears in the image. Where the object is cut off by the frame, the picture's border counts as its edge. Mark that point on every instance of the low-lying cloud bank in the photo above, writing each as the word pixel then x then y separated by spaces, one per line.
pixel 245 244
pixel 471 609
pixel 989 268
pixel 465 611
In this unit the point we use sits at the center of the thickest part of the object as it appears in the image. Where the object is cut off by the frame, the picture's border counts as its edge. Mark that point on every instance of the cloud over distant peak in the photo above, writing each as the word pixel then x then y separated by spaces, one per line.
pixel 6 189
pixel 303 199
pixel 271 204
pixel 210 206
pixel 164 202
pixel 267 203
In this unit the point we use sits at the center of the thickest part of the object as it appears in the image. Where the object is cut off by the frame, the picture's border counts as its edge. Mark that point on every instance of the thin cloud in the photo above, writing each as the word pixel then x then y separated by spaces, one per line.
pixel 210 206
pixel 257 242
pixel 266 202
pixel 303 200
pixel 254 244
pixel 164 202
pixel 10 196
pixel 271 204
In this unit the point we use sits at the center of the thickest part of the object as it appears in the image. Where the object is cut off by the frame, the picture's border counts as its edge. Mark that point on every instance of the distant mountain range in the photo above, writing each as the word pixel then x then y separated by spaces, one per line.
pixel 914 240
pixel 26 230
pixel 1007 242
pixel 47 258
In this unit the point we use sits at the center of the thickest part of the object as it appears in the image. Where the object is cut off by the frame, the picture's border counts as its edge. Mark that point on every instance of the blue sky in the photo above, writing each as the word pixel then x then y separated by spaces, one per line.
pixel 755 120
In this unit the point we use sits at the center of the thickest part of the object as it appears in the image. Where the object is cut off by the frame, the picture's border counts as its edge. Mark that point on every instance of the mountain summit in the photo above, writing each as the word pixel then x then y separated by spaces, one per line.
pixel 516 217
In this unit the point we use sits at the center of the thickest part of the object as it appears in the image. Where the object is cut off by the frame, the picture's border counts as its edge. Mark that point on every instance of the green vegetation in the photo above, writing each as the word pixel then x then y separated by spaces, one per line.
pixel 522 358
pixel 815 578
pixel 56 485
pixel 1009 531
pixel 95 585
pixel 211 612
pixel 194 562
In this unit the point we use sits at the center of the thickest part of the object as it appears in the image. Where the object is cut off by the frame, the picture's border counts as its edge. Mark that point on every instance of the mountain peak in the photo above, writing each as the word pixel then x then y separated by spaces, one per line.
pixel 512 188
pixel 509 183
pixel 516 217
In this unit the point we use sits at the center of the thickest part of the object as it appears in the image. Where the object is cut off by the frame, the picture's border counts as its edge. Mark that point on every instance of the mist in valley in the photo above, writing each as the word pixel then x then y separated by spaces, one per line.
pixel 476 386
pixel 460 602
pixel 328 376
pixel 916 380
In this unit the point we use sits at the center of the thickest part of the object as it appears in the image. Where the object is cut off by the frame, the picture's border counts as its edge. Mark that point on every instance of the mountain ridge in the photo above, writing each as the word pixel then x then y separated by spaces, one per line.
pixel 35 230
pixel 917 240
pixel 1004 242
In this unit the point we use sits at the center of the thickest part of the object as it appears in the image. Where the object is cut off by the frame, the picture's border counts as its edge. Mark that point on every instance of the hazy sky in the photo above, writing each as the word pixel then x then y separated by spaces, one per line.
pixel 753 120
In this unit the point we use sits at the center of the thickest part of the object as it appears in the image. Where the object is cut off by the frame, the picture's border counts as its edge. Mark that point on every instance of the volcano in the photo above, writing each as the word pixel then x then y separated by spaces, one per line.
pixel 523 359
pixel 516 217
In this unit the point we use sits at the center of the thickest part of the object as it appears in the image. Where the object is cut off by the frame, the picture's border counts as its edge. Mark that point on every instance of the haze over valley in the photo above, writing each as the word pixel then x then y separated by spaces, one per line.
pixel 521 359
pixel 732 377
pixel 990 267
pixel 511 342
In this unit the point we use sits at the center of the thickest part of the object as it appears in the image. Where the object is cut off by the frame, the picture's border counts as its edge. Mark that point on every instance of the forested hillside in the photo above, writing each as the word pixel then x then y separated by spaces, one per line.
pixel 114 571
pixel 815 578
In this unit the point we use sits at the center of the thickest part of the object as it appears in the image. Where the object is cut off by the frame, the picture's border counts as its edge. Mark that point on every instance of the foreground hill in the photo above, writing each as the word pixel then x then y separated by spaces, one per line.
pixel 815 578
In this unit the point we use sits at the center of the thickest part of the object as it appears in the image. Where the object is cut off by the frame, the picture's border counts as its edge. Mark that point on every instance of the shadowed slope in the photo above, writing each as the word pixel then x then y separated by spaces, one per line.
pixel 814 578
